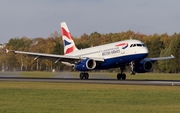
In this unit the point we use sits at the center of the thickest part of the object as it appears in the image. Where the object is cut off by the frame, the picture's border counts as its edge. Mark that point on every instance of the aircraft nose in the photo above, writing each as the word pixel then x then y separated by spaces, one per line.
pixel 145 51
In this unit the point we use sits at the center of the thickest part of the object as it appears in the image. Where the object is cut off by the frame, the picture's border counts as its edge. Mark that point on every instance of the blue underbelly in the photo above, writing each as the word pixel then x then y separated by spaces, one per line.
pixel 119 61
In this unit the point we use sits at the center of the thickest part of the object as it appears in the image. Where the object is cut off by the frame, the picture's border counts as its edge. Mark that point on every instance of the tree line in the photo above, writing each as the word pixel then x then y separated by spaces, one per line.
pixel 159 45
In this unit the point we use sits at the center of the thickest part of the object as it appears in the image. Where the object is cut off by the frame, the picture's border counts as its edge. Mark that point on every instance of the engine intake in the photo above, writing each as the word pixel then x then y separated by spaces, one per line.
pixel 143 66
pixel 85 65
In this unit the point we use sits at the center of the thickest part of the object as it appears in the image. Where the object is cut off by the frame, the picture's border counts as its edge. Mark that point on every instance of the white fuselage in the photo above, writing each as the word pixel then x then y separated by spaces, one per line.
pixel 113 50
pixel 115 54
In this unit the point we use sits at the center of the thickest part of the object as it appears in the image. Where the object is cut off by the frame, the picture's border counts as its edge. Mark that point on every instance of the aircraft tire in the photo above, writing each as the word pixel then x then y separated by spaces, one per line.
pixel 123 76
pixel 133 73
pixel 81 75
pixel 86 75
pixel 119 76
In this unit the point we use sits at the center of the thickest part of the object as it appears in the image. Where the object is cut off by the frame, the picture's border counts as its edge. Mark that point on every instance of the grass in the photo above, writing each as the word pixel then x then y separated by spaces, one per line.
pixel 45 97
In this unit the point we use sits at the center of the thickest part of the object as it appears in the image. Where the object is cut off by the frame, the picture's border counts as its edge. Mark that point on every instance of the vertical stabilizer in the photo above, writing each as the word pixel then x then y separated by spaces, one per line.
pixel 69 45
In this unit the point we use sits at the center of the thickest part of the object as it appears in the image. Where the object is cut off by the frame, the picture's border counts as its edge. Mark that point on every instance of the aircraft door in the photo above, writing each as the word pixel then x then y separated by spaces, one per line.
pixel 100 53
pixel 122 50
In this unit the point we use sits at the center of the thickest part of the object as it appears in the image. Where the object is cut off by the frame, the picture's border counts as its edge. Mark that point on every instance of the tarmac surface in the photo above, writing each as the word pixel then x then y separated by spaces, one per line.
pixel 95 81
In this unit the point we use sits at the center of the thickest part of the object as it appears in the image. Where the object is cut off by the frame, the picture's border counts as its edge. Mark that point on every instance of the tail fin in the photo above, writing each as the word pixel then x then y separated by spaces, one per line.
pixel 69 45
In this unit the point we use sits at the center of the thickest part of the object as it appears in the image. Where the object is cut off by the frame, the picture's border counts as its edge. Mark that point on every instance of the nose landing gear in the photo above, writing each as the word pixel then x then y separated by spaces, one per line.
pixel 132 68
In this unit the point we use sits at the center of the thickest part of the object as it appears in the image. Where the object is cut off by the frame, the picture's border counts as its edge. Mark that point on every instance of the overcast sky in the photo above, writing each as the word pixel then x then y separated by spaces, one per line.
pixel 40 18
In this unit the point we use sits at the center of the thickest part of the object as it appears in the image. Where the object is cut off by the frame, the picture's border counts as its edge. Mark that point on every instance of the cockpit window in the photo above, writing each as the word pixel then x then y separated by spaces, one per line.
pixel 138 45
pixel 134 45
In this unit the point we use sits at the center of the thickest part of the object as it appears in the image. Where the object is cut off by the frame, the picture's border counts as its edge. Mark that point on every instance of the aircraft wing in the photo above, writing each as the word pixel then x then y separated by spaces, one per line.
pixel 159 58
pixel 56 58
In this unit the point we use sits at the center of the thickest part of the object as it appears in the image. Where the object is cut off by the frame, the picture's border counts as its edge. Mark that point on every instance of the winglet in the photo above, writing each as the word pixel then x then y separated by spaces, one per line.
pixel 7 51
pixel 172 56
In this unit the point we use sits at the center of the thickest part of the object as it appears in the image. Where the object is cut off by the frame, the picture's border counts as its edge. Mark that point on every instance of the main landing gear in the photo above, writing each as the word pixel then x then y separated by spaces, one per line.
pixel 132 68
pixel 84 75
pixel 121 75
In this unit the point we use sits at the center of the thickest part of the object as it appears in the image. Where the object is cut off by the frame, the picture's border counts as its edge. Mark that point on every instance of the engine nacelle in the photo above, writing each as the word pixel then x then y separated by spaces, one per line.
pixel 143 66
pixel 86 65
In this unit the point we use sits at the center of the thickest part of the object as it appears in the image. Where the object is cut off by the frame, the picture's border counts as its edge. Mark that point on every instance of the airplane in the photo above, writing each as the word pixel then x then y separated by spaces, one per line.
pixel 119 54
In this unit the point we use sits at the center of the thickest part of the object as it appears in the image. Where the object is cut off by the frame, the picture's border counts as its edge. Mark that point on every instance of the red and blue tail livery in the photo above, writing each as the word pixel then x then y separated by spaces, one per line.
pixel 69 45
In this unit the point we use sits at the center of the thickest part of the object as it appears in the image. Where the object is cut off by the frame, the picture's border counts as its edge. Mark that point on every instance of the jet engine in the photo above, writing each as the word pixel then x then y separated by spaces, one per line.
pixel 143 66
pixel 86 65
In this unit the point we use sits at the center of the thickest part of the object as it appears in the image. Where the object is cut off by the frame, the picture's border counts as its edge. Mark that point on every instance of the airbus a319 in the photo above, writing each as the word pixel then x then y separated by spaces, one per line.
pixel 114 55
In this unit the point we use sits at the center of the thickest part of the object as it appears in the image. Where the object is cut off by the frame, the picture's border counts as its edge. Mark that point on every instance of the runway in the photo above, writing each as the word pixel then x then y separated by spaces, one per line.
pixel 95 81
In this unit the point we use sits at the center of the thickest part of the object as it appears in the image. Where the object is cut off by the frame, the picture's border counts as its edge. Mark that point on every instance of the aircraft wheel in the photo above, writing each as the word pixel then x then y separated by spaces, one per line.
pixel 119 76
pixel 133 73
pixel 86 75
pixel 81 75
pixel 123 76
